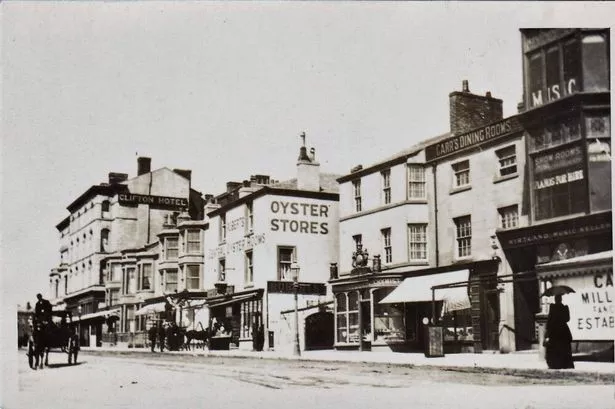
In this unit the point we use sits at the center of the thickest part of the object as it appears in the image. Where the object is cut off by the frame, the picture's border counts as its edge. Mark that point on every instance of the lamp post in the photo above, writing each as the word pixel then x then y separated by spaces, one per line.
pixel 79 310
pixel 295 272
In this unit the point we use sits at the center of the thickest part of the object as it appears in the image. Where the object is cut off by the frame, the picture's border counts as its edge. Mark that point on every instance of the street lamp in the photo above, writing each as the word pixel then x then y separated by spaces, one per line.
pixel 79 310
pixel 294 268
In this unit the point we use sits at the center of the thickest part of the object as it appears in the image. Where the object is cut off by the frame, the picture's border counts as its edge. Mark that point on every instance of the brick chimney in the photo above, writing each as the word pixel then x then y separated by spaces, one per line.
pixel 143 165
pixel 308 170
pixel 115 178
pixel 469 111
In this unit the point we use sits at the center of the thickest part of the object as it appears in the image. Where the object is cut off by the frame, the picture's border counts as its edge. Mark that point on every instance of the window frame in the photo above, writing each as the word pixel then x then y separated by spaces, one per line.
pixel 458 171
pixel 386 186
pixel 387 249
pixel 463 250
pixel 222 228
pixel 190 241
pixel 412 243
pixel 249 217
pixel 222 269
pixel 506 219
pixel 141 278
pixel 416 185
pixel 190 279
pixel 356 187
pixel 168 249
pixel 503 156
pixel 280 263
pixel 249 267
pixel 174 272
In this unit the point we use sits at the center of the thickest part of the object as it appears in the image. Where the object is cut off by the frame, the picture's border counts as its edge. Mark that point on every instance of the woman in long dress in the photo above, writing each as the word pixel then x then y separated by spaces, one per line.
pixel 558 336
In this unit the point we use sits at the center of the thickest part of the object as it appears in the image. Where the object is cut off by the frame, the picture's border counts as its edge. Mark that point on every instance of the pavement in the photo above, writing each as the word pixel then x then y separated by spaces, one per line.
pixel 524 360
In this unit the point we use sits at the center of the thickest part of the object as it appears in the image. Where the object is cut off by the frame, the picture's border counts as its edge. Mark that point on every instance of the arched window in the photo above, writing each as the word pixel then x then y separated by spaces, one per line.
pixel 104 240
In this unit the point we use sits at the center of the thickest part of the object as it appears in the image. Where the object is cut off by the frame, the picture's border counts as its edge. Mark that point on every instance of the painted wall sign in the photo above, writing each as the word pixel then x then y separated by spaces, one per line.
pixel 154 201
pixel 239 246
pixel 592 306
pixel 287 287
pixel 472 139
pixel 296 217
pixel 554 92
pixel 562 159
pixel 558 179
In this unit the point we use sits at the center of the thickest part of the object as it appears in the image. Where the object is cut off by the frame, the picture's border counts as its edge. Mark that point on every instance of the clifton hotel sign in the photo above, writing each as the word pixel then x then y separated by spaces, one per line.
pixel 472 139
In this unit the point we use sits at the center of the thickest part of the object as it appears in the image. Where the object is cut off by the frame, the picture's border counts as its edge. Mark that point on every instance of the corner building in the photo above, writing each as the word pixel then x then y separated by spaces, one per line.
pixel 111 219
pixel 566 113
pixel 260 229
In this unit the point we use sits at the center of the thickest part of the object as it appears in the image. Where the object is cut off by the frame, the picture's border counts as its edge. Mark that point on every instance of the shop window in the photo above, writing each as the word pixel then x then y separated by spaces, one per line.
pixel 417 242
pixel 416 182
pixel 251 312
pixel 462 173
pixel 130 319
pixel 509 216
pixel 386 245
pixel 347 316
pixel 286 257
pixel 595 63
pixel 356 186
pixel 171 248
pixel 145 277
pixel 170 282
pixel 353 317
pixel 249 272
pixel 388 319
pixel 193 241
pixel 193 277
pixel 599 178
pixel 386 186
pixel 458 326
pixel 507 158
pixel 463 228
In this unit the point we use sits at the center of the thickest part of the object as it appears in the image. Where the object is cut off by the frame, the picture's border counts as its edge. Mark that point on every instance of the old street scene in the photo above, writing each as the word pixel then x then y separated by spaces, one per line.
pixel 213 243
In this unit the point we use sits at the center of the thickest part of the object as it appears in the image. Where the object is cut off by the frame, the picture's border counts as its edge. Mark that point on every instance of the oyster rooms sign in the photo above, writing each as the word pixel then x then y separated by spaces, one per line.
pixel 161 202
pixel 472 139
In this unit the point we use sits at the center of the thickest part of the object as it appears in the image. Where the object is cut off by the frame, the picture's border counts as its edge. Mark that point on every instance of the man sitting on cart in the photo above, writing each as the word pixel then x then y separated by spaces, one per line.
pixel 42 310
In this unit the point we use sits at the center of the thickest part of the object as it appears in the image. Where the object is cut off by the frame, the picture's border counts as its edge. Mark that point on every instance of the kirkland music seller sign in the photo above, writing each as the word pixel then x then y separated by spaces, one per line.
pixel 471 139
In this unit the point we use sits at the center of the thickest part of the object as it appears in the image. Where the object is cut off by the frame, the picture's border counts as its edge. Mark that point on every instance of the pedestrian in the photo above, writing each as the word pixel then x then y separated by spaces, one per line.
pixel 153 331
pixel 161 336
pixel 558 336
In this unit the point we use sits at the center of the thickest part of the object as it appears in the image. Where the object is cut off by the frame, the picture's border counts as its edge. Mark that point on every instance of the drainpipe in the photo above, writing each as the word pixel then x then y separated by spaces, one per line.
pixel 435 202
pixel 149 208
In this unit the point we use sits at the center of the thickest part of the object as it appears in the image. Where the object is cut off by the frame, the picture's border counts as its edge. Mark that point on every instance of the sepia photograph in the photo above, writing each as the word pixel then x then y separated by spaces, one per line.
pixel 369 204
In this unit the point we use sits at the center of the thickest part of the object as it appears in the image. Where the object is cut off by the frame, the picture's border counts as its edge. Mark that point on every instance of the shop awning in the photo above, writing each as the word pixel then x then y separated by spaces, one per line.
pixel 232 300
pixel 419 289
pixel 151 309
pixel 97 314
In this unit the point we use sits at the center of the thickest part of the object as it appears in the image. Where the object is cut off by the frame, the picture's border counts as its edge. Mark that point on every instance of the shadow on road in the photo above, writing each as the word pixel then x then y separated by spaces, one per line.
pixel 54 366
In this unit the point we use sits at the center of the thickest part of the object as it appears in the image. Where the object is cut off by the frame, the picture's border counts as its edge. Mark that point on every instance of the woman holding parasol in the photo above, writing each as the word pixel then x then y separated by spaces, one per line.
pixel 558 336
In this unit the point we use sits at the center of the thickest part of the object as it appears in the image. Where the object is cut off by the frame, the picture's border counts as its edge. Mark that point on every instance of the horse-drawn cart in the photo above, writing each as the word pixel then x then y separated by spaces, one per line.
pixel 46 335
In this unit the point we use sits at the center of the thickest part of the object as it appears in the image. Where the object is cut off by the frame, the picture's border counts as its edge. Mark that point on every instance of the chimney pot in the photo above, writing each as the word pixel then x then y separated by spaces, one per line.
pixel 488 94
pixel 465 87
pixel 143 165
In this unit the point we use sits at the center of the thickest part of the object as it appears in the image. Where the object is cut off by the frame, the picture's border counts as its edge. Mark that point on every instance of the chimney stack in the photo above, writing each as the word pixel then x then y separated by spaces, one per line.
pixel 469 111
pixel 143 165
pixel 115 178
pixel 308 170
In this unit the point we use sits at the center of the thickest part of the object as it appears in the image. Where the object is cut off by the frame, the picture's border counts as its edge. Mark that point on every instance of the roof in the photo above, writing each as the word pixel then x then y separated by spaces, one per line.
pixel 397 158
pixel 102 189
pixel 328 183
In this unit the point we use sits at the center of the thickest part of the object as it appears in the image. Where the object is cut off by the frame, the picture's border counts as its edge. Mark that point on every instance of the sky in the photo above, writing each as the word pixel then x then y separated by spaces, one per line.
pixel 225 89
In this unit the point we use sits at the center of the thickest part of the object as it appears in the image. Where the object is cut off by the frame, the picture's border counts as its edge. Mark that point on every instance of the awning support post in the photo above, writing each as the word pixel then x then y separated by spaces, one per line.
pixel 433 306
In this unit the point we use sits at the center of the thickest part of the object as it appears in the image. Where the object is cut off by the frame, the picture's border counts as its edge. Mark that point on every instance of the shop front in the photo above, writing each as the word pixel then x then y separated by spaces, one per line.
pixel 392 310
pixel 233 317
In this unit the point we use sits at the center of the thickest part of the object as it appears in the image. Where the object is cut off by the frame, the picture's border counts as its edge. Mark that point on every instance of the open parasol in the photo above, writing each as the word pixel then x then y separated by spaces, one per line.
pixel 557 290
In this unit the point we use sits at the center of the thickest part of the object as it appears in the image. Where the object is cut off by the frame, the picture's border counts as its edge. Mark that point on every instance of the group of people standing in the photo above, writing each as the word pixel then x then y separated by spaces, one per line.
pixel 164 334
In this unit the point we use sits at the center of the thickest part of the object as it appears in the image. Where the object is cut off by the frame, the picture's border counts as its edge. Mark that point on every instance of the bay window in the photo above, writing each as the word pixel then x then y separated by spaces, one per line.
pixel 193 241
pixel 193 277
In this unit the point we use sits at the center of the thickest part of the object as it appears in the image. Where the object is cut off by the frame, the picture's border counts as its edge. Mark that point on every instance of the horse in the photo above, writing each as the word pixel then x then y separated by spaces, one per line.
pixel 37 346
pixel 47 335
pixel 202 335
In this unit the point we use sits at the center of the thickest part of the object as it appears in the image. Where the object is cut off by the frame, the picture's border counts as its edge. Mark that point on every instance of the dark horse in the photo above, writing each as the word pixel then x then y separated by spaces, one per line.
pixel 47 335
pixel 202 336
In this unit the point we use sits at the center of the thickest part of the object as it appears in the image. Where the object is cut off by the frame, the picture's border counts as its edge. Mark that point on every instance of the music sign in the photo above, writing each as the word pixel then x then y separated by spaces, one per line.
pixel 287 287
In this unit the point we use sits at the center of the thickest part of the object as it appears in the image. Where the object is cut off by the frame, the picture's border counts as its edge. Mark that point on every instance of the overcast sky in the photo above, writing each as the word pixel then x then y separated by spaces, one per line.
pixel 225 89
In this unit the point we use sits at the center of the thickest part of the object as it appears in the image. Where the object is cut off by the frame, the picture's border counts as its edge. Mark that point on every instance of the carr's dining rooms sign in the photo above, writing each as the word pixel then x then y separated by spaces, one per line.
pixel 287 287
pixel 592 306
pixel 455 144
pixel 162 202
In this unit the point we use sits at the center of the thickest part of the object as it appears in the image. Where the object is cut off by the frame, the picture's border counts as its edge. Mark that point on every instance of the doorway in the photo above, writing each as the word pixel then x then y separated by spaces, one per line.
pixel 319 329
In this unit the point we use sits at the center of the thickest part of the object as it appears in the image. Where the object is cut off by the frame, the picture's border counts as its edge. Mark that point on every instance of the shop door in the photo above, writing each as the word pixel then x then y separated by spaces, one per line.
pixel 319 331
pixel 491 319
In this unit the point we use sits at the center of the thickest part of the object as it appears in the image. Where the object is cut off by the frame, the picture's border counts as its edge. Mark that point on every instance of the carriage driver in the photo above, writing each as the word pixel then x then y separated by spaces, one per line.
pixel 42 309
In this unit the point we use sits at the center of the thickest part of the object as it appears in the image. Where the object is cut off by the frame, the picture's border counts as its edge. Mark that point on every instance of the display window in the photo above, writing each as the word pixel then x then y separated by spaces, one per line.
pixel 347 316
pixel 458 325
pixel 388 319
